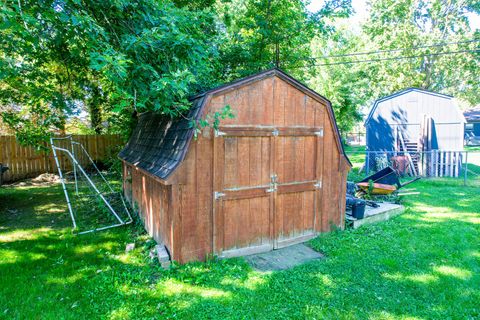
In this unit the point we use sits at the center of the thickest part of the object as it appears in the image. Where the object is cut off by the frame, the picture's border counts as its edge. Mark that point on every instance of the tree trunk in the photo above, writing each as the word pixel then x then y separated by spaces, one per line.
pixel 95 110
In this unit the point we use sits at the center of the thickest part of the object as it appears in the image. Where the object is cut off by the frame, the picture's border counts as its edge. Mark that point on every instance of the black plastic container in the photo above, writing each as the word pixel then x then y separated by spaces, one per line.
pixel 358 210
pixel 357 205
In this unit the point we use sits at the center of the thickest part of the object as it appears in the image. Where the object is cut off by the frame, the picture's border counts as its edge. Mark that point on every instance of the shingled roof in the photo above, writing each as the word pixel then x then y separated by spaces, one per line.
pixel 159 143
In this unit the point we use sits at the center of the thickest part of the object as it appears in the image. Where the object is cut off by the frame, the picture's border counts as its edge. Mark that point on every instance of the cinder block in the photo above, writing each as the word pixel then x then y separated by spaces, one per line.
pixel 163 256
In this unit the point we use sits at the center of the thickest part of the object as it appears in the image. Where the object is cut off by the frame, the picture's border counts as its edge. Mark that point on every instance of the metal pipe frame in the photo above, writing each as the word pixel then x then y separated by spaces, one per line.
pixel 64 187
pixel 103 178
pixel 77 164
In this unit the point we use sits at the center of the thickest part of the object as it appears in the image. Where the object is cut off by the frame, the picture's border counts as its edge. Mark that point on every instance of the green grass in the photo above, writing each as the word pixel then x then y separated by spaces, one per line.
pixel 356 154
pixel 424 264
pixel 472 148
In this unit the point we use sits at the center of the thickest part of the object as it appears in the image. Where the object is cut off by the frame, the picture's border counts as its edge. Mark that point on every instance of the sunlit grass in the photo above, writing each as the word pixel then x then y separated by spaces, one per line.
pixel 421 278
pixel 174 287
pixel 453 272
pixel 19 234
pixel 424 264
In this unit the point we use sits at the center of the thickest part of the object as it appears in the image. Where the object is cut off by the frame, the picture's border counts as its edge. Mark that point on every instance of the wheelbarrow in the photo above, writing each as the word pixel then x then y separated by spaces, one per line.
pixel 385 181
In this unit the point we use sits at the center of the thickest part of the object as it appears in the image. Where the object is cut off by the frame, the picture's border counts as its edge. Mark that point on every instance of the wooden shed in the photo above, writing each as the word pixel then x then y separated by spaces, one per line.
pixel 273 176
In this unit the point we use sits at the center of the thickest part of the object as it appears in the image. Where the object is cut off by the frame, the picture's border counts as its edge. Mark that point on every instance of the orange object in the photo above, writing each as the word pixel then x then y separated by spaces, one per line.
pixel 378 188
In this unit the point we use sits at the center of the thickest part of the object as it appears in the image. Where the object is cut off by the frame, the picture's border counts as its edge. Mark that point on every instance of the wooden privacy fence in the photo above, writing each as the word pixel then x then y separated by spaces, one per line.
pixel 26 162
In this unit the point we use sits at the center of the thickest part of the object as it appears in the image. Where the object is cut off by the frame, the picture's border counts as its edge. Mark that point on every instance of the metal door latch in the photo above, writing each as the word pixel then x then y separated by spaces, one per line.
pixel 218 195
pixel 273 183
pixel 318 185
pixel 319 133
pixel 275 132
pixel 219 133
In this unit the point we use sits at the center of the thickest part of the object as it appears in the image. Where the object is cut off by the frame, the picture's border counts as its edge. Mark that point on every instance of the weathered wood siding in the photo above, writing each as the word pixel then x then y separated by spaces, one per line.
pixel 152 200
pixel 279 134
pixel 248 218
pixel 194 206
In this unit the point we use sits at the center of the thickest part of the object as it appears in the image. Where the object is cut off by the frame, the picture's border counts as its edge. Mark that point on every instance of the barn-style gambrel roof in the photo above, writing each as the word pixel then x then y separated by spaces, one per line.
pixel 399 93
pixel 159 144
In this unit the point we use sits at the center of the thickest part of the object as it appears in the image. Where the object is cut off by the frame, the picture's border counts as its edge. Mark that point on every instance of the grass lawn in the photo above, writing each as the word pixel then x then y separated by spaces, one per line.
pixel 424 264
pixel 472 148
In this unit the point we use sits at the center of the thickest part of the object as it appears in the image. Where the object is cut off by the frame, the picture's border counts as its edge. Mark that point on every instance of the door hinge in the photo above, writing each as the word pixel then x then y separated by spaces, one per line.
pixel 219 133
pixel 218 195
pixel 318 185
pixel 319 133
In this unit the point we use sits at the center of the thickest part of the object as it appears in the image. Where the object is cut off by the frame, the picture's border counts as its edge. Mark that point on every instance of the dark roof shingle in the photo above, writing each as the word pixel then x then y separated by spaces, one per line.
pixel 159 144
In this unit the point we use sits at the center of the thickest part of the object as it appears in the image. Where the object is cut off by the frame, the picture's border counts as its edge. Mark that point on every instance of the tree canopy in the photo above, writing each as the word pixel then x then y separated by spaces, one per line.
pixel 438 32
pixel 147 55
pixel 111 59
pixel 261 33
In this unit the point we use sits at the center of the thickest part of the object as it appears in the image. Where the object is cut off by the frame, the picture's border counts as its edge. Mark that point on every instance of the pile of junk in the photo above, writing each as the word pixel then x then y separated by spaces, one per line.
pixel 385 182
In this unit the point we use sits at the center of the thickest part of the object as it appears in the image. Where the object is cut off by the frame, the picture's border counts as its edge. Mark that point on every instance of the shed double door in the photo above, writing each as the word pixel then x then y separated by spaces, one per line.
pixel 266 186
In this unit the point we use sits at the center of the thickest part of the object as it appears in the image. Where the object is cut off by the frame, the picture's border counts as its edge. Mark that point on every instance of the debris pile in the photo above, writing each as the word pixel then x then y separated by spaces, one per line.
pixel 45 179
pixel 373 189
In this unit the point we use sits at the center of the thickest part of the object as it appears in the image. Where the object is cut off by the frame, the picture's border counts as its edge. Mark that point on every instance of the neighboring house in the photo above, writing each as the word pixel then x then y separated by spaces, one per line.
pixel 272 176
pixel 472 126
pixel 400 116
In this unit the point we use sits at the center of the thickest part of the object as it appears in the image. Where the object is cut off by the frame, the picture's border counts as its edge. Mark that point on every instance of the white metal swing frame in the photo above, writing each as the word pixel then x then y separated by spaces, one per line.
pixel 76 165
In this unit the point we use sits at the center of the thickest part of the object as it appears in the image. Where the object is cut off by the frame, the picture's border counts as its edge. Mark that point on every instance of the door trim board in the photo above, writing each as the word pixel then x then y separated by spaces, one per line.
pixel 291 241
pixel 246 251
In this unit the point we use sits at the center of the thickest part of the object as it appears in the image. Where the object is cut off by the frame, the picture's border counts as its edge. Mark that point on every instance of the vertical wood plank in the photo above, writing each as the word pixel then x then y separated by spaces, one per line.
pixel 268 118
pixel 327 174
pixel 204 195
pixel 218 185
pixel 279 102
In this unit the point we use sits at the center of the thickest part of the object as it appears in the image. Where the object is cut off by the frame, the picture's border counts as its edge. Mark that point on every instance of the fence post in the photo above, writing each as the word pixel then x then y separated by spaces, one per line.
pixel 466 169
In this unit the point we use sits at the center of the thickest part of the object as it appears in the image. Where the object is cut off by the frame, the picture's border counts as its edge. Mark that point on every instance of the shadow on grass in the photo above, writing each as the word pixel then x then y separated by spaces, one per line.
pixel 423 264
pixel 32 207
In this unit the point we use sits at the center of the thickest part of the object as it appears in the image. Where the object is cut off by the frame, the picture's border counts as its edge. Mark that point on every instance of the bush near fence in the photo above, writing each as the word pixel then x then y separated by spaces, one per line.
pixel 25 162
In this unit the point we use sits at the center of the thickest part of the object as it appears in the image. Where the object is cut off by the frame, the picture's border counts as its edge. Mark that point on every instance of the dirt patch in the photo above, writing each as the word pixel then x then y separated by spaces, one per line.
pixel 45 179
